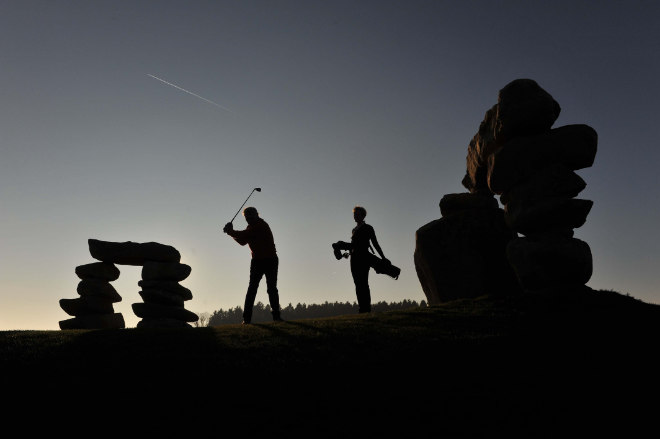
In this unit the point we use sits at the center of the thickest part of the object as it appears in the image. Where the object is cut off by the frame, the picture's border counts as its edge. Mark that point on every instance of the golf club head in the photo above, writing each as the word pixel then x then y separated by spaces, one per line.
pixel 258 189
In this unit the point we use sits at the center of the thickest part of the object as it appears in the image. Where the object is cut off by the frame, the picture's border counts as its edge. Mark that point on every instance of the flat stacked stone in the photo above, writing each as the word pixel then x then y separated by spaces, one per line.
pixel 94 308
pixel 533 171
pixel 163 296
pixel 132 253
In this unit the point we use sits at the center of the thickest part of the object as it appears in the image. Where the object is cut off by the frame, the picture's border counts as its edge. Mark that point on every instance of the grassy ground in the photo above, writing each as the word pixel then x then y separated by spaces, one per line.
pixel 532 365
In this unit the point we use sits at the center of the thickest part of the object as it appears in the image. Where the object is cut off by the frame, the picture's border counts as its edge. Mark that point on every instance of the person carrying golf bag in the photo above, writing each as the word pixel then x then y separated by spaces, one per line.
pixel 264 261
pixel 361 259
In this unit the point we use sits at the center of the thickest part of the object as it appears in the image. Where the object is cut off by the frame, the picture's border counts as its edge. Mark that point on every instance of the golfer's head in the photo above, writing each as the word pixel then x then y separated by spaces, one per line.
pixel 250 214
pixel 359 213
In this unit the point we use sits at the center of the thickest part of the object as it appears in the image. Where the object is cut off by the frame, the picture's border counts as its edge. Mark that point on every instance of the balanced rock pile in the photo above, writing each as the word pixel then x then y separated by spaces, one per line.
pixel 475 248
pixel 162 271
pixel 94 309
pixel 163 296
pixel 533 172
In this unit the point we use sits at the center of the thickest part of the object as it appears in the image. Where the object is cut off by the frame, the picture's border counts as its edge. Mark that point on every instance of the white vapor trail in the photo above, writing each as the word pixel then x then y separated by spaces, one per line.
pixel 190 93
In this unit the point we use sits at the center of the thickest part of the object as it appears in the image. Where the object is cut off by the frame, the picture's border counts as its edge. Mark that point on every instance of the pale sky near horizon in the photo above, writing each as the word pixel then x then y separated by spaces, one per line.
pixel 323 104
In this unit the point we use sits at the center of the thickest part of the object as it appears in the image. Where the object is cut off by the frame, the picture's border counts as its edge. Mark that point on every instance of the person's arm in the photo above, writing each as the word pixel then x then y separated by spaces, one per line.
pixel 240 236
pixel 377 246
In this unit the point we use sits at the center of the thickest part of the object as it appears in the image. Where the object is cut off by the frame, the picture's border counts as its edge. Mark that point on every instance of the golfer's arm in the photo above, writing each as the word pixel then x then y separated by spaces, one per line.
pixel 240 236
pixel 377 247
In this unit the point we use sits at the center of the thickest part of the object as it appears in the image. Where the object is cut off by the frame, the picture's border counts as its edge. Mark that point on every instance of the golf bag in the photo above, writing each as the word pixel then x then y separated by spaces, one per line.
pixel 380 266
pixel 383 266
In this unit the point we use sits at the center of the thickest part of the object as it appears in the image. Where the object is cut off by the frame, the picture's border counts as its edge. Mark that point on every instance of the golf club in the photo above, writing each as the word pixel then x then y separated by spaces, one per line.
pixel 258 189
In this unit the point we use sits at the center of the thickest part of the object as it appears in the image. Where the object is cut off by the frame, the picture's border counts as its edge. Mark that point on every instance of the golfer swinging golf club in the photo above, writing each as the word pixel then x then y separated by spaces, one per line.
pixel 264 262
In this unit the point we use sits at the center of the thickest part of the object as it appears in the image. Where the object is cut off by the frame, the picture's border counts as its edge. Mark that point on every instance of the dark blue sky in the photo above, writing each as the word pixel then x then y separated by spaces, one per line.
pixel 332 104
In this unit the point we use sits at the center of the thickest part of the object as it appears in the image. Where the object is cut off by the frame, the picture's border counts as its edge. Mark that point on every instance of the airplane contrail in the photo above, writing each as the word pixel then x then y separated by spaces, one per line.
pixel 190 93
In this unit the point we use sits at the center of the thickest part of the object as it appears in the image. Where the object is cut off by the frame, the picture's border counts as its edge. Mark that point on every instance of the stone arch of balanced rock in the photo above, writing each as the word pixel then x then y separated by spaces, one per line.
pixel 161 291
pixel 476 247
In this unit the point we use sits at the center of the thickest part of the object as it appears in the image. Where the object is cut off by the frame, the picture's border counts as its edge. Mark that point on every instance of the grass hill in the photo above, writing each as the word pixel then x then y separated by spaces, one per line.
pixel 579 361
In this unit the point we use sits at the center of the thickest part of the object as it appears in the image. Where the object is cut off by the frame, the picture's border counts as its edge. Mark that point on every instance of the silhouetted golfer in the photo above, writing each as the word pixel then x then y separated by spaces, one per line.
pixel 264 261
pixel 361 260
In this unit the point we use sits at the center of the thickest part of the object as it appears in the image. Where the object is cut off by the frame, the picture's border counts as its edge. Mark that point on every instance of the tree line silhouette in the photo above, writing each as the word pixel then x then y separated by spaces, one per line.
pixel 262 313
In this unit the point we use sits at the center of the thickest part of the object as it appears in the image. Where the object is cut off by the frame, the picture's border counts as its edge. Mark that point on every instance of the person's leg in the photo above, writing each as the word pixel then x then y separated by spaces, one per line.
pixel 256 272
pixel 271 284
pixel 360 272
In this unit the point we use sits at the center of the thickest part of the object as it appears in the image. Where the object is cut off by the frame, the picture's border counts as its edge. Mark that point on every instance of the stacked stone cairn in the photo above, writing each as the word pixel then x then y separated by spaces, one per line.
pixel 94 309
pixel 533 170
pixel 475 248
pixel 163 296
pixel 162 271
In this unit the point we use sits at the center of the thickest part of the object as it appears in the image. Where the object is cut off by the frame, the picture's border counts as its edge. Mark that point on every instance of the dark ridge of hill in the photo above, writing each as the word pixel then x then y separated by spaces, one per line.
pixel 572 361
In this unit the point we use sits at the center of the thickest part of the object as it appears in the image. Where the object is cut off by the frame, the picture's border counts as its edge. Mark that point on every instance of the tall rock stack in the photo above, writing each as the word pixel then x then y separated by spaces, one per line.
pixel 475 247
pixel 162 294
pixel 94 308
pixel 532 170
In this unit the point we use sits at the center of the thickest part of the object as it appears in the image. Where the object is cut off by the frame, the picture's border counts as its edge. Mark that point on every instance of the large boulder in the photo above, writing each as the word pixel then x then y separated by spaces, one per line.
pixel 463 256
pixel 545 263
pixel 524 109
pixel 132 253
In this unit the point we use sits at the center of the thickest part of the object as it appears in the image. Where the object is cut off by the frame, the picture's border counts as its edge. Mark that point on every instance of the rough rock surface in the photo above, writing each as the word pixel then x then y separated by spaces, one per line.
pixel 547 263
pixel 523 108
pixel 517 154
pixel 162 297
pixel 98 270
pixel 87 305
pixel 463 254
pixel 165 271
pixel 132 253
pixel 94 321
pixel 95 287
pixel 157 311
pixel 533 171
pixel 168 286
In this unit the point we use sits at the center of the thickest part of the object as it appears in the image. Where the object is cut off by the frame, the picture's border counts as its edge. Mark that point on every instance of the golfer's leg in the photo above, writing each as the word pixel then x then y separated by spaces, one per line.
pixel 255 277
pixel 360 272
pixel 271 284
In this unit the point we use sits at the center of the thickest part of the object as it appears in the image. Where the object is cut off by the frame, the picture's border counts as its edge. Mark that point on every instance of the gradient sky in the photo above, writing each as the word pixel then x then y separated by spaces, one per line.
pixel 327 104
